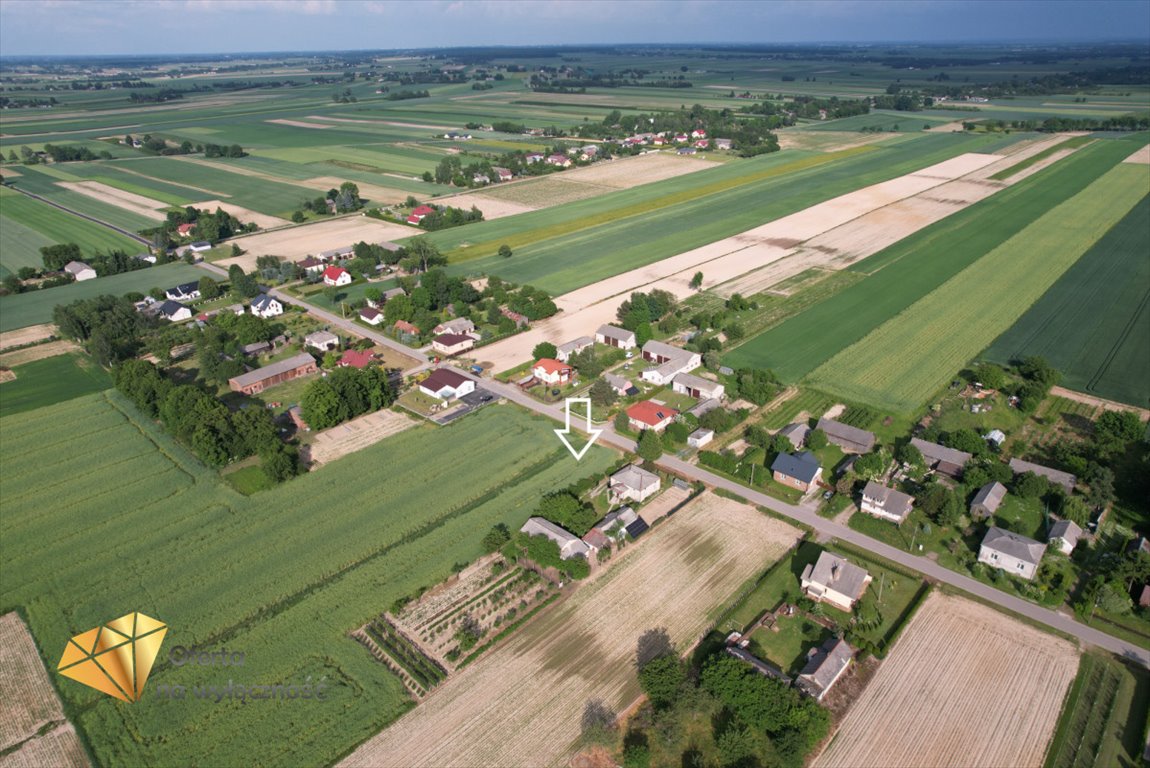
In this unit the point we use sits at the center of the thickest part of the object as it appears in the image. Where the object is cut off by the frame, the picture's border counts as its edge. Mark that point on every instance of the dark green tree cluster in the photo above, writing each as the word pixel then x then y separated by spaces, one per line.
pixel 218 347
pixel 344 394
pixel 108 327
pixel 756 385
pixel 544 553
pixel 217 150
pixel 69 153
pixel 447 217
pixel 567 510
pixel 645 309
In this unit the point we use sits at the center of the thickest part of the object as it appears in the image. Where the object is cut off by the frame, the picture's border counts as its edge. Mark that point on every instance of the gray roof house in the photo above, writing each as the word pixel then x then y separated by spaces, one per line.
pixel 886 503
pixel 832 579
pixel 615 336
pixel 323 340
pixel 634 483
pixel 563 352
pixel 796 433
pixel 570 545
pixel 987 501
pixel 948 461
pixel 79 271
pixel 698 387
pixel 1065 479
pixel 620 384
pixel 847 437
pixel 1011 552
pixel 1065 535
pixel 824 667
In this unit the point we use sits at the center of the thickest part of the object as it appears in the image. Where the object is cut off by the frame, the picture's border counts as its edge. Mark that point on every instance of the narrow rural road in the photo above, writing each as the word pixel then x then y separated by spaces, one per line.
pixel 806 515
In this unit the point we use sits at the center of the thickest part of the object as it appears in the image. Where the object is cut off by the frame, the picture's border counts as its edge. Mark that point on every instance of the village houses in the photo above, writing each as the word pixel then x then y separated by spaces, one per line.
pixel 1011 552
pixel 834 580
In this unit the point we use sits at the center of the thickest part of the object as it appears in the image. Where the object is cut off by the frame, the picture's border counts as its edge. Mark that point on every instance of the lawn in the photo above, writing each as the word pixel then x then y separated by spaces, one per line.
pixel 1104 716
pixel 899 365
pixel 36 307
pixel 901 274
pixel 1103 353
pixel 53 226
pixel 51 380
pixel 137 524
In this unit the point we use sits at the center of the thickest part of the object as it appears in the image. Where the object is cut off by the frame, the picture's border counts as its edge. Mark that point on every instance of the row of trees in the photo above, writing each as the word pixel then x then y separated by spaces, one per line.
pixel 215 434
pixel 344 394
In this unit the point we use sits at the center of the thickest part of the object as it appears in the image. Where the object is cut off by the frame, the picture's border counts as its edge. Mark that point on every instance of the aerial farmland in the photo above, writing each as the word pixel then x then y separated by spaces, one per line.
pixel 286 341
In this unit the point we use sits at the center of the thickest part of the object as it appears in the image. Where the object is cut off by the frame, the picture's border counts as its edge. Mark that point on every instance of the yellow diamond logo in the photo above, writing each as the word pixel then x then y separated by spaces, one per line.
pixel 117 657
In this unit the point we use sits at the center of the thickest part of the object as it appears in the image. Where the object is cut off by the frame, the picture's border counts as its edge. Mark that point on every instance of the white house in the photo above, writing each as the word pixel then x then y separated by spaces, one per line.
pixel 670 362
pixel 634 484
pixel 324 341
pixel 452 344
pixel 1011 553
pixel 175 312
pixel 80 271
pixel 336 276
pixel 616 337
pixel 371 315
pixel 824 667
pixel 445 384
pixel 832 579
pixel 647 414
pixel 266 306
pixel 183 292
pixel 564 351
pixel 460 326
pixel 886 503
pixel 200 246
pixel 552 371
pixel 697 387
pixel 700 437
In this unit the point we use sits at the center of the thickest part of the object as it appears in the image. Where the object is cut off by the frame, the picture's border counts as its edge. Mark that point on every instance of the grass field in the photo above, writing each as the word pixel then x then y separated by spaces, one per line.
pixel 136 524
pixel 38 223
pixel 902 273
pixel 912 356
pixel 52 380
pixel 35 307
pixel 1103 353
pixel 1104 717
pixel 1071 143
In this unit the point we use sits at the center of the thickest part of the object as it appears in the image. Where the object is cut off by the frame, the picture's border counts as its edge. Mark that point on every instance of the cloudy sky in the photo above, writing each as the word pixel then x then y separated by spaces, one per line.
pixel 29 27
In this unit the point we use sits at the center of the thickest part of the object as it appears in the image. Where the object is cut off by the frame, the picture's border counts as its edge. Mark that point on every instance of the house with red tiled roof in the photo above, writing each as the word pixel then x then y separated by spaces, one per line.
pixel 336 276
pixel 185 230
pixel 698 133
pixel 518 319
pixel 647 414
pixel 419 213
pixel 404 328
pixel 354 358
pixel 552 371
pixel 560 161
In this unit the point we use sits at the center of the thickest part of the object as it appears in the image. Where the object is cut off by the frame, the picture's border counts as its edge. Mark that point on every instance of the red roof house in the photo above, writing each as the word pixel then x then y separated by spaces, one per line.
pixel 402 326
pixel 649 415
pixel 552 371
pixel 418 214
pixel 336 276
pixel 354 358
pixel 185 230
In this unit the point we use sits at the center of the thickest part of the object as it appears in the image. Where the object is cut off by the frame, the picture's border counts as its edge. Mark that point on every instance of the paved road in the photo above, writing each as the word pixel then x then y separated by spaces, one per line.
pixel 341 322
pixel 806 515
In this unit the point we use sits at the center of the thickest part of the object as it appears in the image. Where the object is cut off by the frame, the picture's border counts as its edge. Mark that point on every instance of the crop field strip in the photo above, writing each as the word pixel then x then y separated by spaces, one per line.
pixel 899 275
pixel 910 357
pixel 1103 353
pixel 521 704
pixel 57 226
pixel 51 380
pixel 280 560
pixel 987 692
pixel 1070 143
pixel 47 186
pixel 35 307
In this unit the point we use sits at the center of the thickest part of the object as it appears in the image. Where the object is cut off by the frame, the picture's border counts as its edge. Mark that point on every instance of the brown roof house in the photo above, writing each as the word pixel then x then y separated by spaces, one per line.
pixel 886 503
pixel 1011 552
pixel 452 344
pixel 948 461
pixel 987 501
pixel 833 580
pixel 824 667
pixel 850 439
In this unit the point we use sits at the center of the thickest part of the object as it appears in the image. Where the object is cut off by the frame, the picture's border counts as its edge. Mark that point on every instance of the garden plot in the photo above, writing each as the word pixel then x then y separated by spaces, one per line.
pixel 546 192
pixel 521 704
pixel 31 719
pixel 129 201
pixel 246 215
pixel 356 434
pixel 967 686
pixel 295 243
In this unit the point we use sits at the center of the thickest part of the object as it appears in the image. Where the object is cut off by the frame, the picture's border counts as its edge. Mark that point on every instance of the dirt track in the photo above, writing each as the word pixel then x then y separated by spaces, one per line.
pixel 521 704
pixel 966 685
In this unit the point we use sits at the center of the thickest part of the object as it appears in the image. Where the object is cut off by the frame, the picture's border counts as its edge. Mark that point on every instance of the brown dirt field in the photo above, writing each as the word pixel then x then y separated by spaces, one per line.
pixel 545 192
pixel 29 704
pixel 521 703
pixel 27 335
pixel 58 748
pixel 129 201
pixel 11 173
pixel 1140 156
pixel 246 215
pixel 1098 402
pixel 356 434
pixel 385 122
pixel 492 207
pixel 663 503
pixel 628 172
pixel 300 124
pixel 966 685
pixel 372 192
pixel 38 352
pixel 297 242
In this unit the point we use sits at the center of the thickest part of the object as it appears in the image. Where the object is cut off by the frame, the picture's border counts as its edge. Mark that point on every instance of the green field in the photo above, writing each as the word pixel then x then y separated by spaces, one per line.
pixel 1104 717
pixel 49 381
pixel 1071 143
pixel 136 524
pixel 34 217
pixel 910 357
pixel 36 307
pixel 904 272
pixel 1103 353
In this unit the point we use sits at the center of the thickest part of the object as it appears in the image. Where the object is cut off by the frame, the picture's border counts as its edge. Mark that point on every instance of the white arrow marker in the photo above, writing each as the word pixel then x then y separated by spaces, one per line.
pixel 592 433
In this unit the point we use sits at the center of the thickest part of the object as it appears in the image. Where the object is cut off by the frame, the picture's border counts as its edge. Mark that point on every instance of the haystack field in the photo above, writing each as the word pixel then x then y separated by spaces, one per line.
pixel 966 685
pixel 521 704
pixel 29 706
